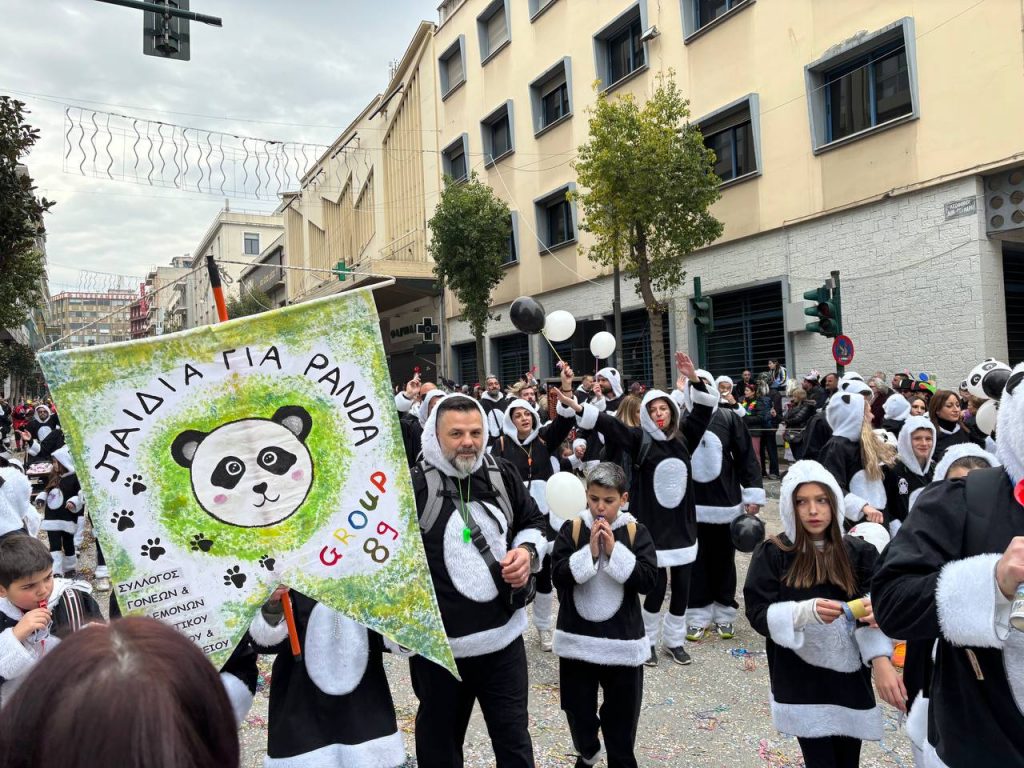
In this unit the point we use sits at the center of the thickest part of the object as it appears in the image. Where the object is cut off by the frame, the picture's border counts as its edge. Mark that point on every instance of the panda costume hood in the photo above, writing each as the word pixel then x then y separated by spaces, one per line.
pixel 961 451
pixel 509 429
pixel 854 385
pixel 63 455
pixel 905 448
pixel 432 452
pixel 798 474
pixel 667 432
pixel 896 408
pixel 841 455
pixel 845 415
pixel 936 580
pixel 424 409
pixel 614 379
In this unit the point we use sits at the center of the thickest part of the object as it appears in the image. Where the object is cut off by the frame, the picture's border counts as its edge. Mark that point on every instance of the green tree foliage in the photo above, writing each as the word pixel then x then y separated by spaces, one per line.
pixel 646 181
pixel 22 266
pixel 250 303
pixel 469 241
pixel 17 360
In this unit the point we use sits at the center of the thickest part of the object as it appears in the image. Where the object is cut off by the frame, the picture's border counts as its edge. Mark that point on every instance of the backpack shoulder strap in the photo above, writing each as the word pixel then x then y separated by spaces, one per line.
pixel 432 507
pixel 73 608
pixel 497 480
pixel 577 527
pixel 631 530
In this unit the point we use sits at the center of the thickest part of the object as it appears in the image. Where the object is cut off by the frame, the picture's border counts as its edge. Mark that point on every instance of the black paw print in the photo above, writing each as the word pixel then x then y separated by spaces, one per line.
pixel 123 519
pixel 267 562
pixel 152 549
pixel 234 576
pixel 200 543
pixel 135 483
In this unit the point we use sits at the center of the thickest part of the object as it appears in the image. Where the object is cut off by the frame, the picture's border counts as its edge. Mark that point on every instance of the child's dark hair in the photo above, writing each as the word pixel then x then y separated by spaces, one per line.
pixel 607 475
pixel 22 556
pixel 969 463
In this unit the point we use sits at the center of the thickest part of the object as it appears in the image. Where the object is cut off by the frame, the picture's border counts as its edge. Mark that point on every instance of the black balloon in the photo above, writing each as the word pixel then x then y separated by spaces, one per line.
pixel 747 532
pixel 527 314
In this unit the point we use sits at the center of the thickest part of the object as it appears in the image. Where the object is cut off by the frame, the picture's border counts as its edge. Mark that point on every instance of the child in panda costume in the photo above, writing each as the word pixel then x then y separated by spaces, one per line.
pixel 820 662
pixel 661 493
pixel 332 709
pixel 63 510
pixel 534 451
pixel 911 472
pixel 43 434
pixel 895 411
pixel 951 574
pixel 727 484
pixel 855 456
pixel 17 515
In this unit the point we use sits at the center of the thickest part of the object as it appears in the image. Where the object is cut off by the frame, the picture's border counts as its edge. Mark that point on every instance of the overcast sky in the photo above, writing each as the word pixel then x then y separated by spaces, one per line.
pixel 313 64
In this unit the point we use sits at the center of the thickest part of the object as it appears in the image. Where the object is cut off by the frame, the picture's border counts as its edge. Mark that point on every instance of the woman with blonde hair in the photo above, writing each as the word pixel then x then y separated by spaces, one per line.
pixel 629 411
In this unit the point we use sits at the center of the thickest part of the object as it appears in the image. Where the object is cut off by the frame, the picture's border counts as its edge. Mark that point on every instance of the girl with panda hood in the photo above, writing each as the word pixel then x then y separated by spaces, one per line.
pixel 912 470
pixel 534 451
pixel 951 574
pixel 820 662
pixel 43 434
pixel 64 504
pixel 855 455
pixel 661 492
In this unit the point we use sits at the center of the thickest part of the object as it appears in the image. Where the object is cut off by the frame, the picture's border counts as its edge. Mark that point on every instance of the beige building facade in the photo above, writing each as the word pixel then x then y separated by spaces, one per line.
pixel 871 137
pixel 89 318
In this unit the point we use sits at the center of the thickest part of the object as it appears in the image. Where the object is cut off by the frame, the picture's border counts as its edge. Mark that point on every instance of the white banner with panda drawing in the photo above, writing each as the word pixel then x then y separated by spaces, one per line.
pixel 220 462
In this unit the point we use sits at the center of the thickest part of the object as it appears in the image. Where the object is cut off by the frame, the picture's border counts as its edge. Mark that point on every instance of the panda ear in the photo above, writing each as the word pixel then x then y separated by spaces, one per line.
pixel 185 445
pixel 295 419
pixel 847 399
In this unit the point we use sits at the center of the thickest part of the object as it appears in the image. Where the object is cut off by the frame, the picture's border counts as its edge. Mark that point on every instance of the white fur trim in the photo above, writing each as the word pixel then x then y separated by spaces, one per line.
pixel 755 496
pixel 966 601
pixel 815 721
pixel 383 752
pixel 621 563
pixel 724 614
pixel 652 626
pixel 872 491
pixel 403 403
pixel 582 565
pixel 929 757
pixel 569 413
pixel 64 526
pixel 872 643
pixel 15 658
pixel 781 627
pixel 588 418
pixel 239 695
pixel 337 651
pixel 598 405
pixel 670 481
pixel 853 506
pixel 682 556
pixel 705 398
pixel 266 635
pixel 674 631
pixel 917 722
pixel 490 640
pixel 537 538
pixel 466 567
pixel 802 472
pixel 718 515
pixel 1010 442
pixel 699 617
pixel 601 650
pixel 960 451
pixel 542 604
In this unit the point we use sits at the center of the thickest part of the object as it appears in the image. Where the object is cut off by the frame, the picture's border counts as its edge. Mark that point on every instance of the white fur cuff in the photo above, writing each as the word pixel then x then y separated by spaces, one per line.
pixel 403 403
pixel 15 658
pixel 588 419
pixel 707 399
pixel 780 625
pixel 853 506
pixel 966 601
pixel 564 410
pixel 621 563
pixel 872 643
pixel 239 695
pixel 535 537
pixel 754 496
pixel 265 635
pixel 582 565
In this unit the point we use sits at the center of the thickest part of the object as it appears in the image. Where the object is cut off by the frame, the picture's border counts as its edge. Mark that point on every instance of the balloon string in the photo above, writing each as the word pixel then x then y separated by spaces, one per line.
pixel 552 348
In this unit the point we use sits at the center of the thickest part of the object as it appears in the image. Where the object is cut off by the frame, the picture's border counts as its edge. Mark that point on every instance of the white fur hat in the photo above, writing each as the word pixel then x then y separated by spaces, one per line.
pixel 960 451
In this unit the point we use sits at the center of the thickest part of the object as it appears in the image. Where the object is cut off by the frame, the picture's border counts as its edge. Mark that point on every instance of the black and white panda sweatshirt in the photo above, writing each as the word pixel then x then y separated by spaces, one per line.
pixel 820 673
pixel 906 478
pixel 56 516
pixel 333 708
pixel 47 435
pixel 661 490
pixel 841 456
pixel 599 618
pixel 476 618
pixel 726 471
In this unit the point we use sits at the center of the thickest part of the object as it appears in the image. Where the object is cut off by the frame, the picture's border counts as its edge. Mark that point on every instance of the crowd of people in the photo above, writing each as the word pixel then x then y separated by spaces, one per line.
pixel 673 484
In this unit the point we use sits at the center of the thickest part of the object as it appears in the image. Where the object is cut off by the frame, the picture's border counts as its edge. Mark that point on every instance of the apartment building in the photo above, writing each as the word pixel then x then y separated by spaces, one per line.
pixel 267 276
pixel 88 318
pixel 874 137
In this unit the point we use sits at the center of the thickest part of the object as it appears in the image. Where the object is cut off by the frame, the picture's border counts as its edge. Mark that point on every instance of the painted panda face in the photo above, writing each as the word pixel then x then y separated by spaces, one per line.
pixel 250 473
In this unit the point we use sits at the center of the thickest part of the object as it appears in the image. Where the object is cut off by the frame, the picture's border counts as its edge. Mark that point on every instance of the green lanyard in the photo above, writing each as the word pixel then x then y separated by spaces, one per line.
pixel 467 535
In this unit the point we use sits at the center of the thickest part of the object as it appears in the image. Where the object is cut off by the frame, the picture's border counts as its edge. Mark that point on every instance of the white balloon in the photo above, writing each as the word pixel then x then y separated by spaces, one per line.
pixel 873 533
pixel 566 497
pixel 986 417
pixel 602 345
pixel 559 325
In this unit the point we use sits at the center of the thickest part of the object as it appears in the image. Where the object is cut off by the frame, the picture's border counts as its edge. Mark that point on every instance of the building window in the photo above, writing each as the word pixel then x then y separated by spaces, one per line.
pixel 512 256
pixel 493 28
pixel 454 159
pixel 452 66
pixel 252 244
pixel 698 14
pixel 863 87
pixel 556 218
pixel 749 331
pixel 635 361
pixel 497 134
pixel 618 49
pixel 465 363
pixel 537 7
pixel 512 355
pixel 551 96
pixel 732 133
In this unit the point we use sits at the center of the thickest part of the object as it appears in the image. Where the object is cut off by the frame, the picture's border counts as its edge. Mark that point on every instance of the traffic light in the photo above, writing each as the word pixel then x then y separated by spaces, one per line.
pixel 703 313
pixel 826 309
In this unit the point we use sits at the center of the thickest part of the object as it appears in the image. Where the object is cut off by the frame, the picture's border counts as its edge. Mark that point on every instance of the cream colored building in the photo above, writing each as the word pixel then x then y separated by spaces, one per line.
pixel 88 318
pixel 235 239
pixel 365 204
pixel 159 289
pixel 876 138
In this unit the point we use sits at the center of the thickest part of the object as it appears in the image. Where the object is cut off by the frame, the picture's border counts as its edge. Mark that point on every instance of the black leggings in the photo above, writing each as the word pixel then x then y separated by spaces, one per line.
pixel 680 590
pixel 831 752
